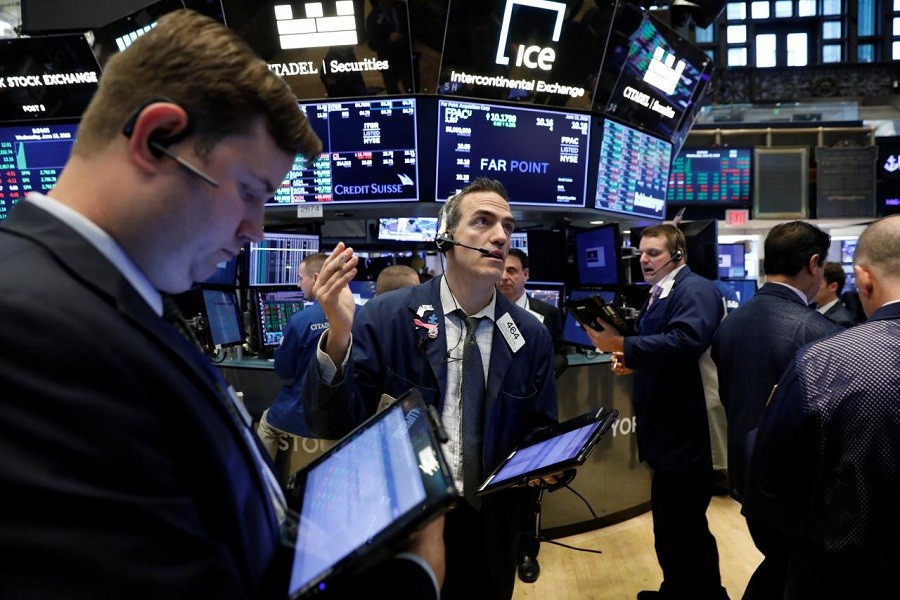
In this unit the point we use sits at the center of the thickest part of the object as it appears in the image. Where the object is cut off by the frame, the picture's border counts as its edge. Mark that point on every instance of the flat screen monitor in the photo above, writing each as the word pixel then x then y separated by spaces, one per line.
pixel 225 274
pixel 573 333
pixel 273 310
pixel 547 256
pixel 48 77
pixel 632 172
pixel 369 154
pixel 711 177
pixel 598 255
pixel 744 288
pixel 651 76
pixel 407 229
pixel 276 259
pixel 550 295
pixel 363 290
pixel 519 239
pixel 223 313
pixel 702 239
pixel 31 157
pixel 848 248
pixel 731 261
pixel 539 155
pixel 114 37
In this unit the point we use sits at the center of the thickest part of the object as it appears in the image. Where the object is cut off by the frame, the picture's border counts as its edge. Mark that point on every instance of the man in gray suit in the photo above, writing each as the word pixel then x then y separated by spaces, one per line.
pixel 751 349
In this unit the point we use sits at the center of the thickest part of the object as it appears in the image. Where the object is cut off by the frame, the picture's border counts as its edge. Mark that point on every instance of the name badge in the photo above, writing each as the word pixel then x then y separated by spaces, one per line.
pixel 511 333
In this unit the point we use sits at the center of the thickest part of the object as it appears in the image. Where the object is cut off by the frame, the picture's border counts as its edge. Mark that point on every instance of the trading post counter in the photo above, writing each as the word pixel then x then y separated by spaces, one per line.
pixel 612 481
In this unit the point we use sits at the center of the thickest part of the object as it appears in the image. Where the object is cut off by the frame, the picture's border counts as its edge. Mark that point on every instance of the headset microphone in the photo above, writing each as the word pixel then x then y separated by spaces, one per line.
pixel 677 255
pixel 160 150
pixel 443 240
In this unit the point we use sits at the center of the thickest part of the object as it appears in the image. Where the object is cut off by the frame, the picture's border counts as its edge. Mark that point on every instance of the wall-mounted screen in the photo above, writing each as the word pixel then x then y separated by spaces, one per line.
pixel 223 313
pixel 711 176
pixel 573 333
pixel 31 157
pixel 651 77
pixel 276 259
pixel 539 155
pixel 48 77
pixel 731 261
pixel 121 33
pixel 273 310
pixel 598 254
pixel 407 229
pixel 632 172
pixel 519 239
pixel 369 154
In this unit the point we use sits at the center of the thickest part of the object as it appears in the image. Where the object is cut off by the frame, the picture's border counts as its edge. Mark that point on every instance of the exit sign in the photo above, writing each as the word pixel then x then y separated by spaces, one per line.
pixel 737 217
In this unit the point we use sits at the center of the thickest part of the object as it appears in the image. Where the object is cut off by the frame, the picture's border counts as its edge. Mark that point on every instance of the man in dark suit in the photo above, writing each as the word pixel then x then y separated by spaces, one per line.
pixel 414 338
pixel 828 297
pixel 675 329
pixel 751 349
pixel 828 441
pixel 512 285
pixel 130 468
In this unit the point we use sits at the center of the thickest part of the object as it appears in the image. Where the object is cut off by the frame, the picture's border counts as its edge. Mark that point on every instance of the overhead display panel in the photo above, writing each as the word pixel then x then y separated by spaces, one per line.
pixel 652 78
pixel 44 78
pixel 540 155
pixel 536 51
pixel 331 48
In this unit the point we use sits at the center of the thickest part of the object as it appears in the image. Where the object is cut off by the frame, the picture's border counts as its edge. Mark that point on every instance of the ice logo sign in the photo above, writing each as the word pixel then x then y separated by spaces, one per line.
pixel 532 57
pixel 316 30
pixel 661 74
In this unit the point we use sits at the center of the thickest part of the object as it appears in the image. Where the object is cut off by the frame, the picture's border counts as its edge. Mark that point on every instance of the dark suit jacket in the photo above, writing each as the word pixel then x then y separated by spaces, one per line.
pixel 124 472
pixel 840 315
pixel 668 397
pixel 751 349
pixel 390 354
pixel 553 323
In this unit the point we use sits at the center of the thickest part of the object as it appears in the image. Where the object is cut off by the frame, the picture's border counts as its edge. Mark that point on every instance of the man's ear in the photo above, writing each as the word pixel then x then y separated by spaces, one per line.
pixel 526 273
pixel 864 282
pixel 813 263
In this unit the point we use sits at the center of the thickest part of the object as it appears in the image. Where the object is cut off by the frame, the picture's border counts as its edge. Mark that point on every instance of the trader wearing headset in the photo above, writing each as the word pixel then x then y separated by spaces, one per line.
pixel 418 337
pixel 674 329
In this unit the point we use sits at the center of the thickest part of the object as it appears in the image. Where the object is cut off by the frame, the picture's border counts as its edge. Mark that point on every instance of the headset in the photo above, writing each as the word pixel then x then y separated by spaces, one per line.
pixel 158 143
pixel 677 255
pixel 444 239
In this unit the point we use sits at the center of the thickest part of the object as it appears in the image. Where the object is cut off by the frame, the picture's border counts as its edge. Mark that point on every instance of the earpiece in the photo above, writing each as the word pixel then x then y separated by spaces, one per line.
pixel 444 241
pixel 677 255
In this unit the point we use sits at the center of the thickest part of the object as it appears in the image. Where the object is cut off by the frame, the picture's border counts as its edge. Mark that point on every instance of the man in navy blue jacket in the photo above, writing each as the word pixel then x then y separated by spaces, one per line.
pixel 829 440
pixel 675 329
pixel 751 349
pixel 413 338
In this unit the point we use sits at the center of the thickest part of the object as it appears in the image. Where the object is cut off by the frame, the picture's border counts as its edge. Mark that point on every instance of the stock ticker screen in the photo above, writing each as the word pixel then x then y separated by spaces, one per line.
pixel 712 176
pixel 369 153
pixel 31 158
pixel 540 155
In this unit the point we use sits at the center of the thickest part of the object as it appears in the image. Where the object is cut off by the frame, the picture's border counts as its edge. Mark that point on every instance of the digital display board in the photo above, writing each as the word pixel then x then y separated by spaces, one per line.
pixel 712 176
pixel 51 77
pixel 368 154
pixel 276 259
pixel 633 172
pixel 539 155
pixel 31 158
pixel 651 77
pixel 407 229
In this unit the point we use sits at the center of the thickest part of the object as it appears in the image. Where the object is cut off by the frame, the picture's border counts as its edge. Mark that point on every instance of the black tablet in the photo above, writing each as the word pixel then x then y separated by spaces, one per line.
pixel 586 311
pixel 360 500
pixel 558 448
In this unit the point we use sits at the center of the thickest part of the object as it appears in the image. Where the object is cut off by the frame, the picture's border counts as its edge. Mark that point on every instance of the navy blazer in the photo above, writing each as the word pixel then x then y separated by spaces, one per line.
pixel 668 395
pixel 553 323
pixel 391 354
pixel 124 472
pixel 840 315
pixel 751 349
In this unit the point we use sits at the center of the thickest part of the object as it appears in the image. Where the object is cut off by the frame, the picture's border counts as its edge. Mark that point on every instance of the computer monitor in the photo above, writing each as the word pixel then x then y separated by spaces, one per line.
pixel 702 239
pixel 519 239
pixel 731 261
pixel 573 333
pixel 225 274
pixel 550 295
pixel 547 256
pixel 31 157
pixel 363 290
pixel 711 177
pixel 744 288
pixel 223 313
pixel 407 229
pixel 598 253
pixel 274 309
pixel 276 259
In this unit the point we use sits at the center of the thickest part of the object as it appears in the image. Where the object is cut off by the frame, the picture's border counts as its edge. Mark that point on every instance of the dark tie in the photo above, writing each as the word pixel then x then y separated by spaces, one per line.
pixel 657 290
pixel 472 392
pixel 172 314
